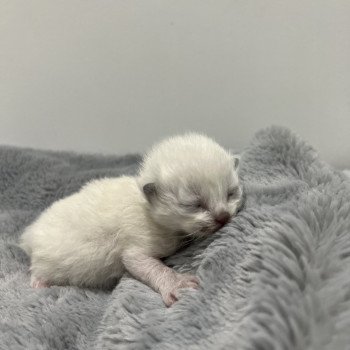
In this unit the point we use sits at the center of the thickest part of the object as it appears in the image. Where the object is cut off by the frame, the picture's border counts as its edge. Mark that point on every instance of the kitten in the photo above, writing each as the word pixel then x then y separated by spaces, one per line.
pixel 187 187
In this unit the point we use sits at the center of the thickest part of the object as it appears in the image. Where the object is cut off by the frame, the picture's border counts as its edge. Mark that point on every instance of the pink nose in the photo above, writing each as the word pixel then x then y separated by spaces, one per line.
pixel 222 218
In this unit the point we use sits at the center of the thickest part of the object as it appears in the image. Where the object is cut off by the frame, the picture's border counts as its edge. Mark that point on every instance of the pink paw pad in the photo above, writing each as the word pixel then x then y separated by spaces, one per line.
pixel 38 283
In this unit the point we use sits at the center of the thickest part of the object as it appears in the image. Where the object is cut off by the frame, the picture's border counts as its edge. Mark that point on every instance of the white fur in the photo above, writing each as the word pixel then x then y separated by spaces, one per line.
pixel 91 237
pixel 186 169
pixel 79 239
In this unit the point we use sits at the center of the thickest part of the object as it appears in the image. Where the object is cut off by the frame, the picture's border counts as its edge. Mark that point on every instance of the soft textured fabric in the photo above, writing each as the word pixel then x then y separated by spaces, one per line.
pixel 276 277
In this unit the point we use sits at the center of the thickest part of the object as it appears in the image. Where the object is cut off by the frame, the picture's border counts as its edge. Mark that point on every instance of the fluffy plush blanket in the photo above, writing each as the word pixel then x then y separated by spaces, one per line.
pixel 276 277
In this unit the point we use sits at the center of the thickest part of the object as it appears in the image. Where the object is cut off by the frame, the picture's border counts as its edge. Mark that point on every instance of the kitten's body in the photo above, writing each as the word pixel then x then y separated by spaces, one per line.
pixel 79 240
pixel 111 225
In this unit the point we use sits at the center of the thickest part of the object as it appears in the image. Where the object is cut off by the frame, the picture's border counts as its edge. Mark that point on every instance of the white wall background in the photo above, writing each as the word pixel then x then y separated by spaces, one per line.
pixel 113 76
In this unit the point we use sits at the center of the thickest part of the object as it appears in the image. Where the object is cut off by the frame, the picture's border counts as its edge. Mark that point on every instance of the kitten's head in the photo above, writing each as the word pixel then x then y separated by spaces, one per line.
pixel 191 184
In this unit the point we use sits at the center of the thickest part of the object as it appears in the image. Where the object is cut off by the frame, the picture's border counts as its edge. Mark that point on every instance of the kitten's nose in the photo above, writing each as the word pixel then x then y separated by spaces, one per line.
pixel 223 218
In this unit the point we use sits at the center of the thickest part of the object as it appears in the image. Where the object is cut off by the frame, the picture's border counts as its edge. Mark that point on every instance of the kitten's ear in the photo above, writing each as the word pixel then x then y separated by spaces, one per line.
pixel 235 160
pixel 150 191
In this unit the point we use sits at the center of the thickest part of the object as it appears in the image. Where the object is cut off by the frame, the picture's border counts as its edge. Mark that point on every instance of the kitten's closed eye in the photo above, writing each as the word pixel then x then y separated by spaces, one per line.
pixel 196 205
pixel 233 193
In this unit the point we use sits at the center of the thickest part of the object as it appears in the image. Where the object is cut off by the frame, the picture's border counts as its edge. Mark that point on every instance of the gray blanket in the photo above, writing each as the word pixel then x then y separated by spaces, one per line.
pixel 276 277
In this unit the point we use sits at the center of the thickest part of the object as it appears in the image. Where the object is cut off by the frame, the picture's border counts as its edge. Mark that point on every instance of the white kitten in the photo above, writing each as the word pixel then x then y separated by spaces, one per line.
pixel 187 186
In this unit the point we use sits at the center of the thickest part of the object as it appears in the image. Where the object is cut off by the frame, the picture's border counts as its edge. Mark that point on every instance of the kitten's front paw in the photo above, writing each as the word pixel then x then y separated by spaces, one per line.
pixel 171 292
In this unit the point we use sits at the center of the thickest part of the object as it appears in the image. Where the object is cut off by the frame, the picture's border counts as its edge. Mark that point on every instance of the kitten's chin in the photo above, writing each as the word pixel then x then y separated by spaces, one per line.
pixel 209 230
pixel 206 231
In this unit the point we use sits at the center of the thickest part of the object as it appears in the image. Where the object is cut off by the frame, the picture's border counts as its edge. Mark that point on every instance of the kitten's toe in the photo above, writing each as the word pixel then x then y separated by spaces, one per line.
pixel 173 292
pixel 169 299
pixel 187 281
pixel 36 282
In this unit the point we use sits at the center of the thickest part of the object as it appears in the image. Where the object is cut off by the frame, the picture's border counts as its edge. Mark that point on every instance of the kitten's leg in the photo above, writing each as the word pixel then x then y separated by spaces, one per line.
pixel 159 277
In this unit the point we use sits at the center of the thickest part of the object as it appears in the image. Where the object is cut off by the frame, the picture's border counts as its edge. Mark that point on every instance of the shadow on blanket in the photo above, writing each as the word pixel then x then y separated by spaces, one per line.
pixel 277 277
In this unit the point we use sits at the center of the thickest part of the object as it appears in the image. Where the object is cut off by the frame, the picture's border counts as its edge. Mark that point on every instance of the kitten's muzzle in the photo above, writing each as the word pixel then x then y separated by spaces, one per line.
pixel 222 218
pixel 218 221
